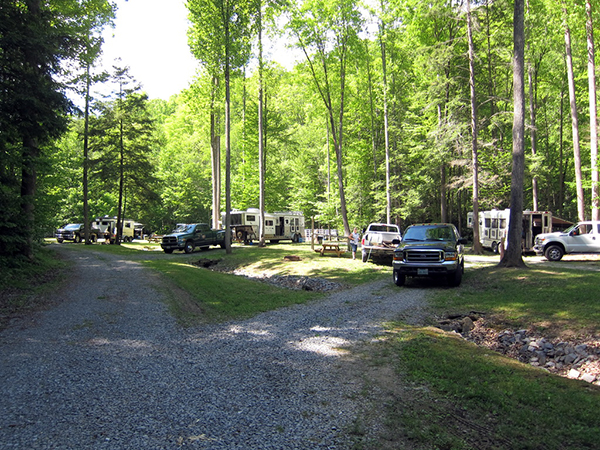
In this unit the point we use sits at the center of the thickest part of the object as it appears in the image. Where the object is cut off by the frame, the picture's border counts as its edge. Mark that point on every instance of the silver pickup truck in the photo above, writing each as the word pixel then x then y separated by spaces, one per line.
pixel 377 242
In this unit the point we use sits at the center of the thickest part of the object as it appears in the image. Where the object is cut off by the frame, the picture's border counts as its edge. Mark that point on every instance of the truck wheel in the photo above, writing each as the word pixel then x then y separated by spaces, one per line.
pixel 60 241
pixel 168 250
pixel 365 256
pixel 189 247
pixel 455 278
pixel 77 239
pixel 554 253
pixel 399 279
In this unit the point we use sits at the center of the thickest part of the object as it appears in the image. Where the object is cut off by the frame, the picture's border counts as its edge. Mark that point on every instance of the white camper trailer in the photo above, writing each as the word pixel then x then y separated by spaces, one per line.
pixel 493 227
pixel 278 226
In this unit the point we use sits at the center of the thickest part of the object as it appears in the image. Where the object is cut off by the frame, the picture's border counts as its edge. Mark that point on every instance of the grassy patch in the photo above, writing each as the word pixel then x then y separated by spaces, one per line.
pixel 24 283
pixel 463 397
pixel 215 296
pixel 553 300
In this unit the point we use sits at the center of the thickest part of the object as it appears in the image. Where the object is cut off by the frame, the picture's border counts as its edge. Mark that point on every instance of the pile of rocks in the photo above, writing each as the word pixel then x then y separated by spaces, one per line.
pixel 577 360
pixel 296 282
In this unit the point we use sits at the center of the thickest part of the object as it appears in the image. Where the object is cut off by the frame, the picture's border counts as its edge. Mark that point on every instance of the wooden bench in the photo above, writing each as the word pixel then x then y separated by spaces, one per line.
pixel 331 249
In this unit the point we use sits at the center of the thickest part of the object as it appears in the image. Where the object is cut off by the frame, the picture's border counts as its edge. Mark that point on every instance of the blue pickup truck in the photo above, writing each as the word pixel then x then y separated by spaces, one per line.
pixel 188 237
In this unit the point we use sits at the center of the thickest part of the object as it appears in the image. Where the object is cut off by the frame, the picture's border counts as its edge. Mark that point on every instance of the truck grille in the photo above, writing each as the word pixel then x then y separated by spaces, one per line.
pixel 169 240
pixel 416 256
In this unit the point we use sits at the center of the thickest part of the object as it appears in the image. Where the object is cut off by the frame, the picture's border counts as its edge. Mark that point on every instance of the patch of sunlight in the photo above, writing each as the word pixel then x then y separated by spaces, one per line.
pixel 323 345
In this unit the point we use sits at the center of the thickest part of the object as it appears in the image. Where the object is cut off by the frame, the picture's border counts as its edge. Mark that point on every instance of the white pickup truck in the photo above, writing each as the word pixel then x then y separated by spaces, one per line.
pixel 583 237
pixel 377 242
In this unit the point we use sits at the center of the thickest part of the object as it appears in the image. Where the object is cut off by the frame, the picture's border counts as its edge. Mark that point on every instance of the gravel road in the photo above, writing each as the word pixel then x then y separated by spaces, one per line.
pixel 108 368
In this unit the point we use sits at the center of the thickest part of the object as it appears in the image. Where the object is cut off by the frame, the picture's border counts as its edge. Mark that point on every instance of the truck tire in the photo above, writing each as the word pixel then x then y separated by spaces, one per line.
pixel 77 239
pixel 554 253
pixel 189 247
pixel 455 278
pixel 399 279
pixel 60 241
pixel 168 250
pixel 365 256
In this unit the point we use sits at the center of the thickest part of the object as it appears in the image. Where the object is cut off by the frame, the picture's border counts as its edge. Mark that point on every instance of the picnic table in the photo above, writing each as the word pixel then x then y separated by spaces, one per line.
pixel 331 249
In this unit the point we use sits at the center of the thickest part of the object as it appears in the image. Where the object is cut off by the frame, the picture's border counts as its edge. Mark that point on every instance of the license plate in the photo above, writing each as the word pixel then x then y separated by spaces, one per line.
pixel 422 271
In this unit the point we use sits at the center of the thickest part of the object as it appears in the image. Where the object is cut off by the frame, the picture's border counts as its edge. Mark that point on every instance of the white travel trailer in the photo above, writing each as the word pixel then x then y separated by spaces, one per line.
pixel 493 227
pixel 108 225
pixel 279 226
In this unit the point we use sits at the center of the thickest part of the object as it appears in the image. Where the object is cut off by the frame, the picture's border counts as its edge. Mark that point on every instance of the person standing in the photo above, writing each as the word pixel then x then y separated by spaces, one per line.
pixel 354 238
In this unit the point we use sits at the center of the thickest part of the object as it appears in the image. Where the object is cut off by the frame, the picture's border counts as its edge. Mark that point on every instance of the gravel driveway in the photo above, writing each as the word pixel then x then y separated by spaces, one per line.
pixel 108 368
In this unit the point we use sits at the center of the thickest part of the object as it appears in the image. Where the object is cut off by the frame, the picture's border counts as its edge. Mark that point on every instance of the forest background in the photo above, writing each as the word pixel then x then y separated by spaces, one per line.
pixel 375 124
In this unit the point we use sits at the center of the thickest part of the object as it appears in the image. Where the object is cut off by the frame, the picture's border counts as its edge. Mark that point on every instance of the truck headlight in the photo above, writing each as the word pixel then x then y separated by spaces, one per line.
pixel 451 256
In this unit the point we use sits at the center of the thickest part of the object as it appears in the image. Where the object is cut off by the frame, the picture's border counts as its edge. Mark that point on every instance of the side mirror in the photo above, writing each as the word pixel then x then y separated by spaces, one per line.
pixel 462 241
pixel 396 241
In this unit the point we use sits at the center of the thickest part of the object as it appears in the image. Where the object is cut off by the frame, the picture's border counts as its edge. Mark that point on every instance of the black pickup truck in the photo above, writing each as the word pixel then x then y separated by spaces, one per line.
pixel 188 237
pixel 430 250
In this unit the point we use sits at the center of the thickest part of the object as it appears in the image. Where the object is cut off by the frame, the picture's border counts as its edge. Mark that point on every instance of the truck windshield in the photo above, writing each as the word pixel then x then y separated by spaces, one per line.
pixel 425 233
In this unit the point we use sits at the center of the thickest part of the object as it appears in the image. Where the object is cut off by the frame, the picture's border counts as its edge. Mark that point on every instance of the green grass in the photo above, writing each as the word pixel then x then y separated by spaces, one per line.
pixel 215 296
pixel 547 298
pixel 464 397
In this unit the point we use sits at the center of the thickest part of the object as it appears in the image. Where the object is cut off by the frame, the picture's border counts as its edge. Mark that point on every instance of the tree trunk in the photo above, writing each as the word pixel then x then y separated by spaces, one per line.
pixel 478 249
pixel 513 255
pixel 532 133
pixel 593 110
pixel 261 166
pixel 227 142
pixel 86 162
pixel 574 121
pixel 215 146
pixel 388 198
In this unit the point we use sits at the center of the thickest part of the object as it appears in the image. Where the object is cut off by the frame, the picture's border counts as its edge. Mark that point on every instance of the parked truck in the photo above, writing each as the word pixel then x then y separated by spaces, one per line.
pixel 378 241
pixel 188 237
pixel 583 237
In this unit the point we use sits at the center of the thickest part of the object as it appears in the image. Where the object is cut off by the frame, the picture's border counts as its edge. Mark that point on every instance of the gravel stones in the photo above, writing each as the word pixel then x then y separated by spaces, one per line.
pixel 108 368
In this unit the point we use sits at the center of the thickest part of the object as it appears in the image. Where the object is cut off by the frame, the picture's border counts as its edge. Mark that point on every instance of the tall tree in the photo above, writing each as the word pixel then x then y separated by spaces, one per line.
pixel 574 118
pixel 593 110
pixel 122 139
pixel 220 39
pixel 326 31
pixel 513 255
pixel 474 146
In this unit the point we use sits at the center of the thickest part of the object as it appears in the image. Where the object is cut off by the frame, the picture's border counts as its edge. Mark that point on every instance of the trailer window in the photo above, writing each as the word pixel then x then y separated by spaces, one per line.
pixel 494 223
pixel 250 218
pixel 236 219
pixel 487 222
pixel 502 224
pixel 269 223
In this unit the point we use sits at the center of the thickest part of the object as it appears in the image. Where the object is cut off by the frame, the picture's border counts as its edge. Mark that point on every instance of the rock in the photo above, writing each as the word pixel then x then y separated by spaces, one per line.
pixel 467 325
pixel 590 378
pixel 573 374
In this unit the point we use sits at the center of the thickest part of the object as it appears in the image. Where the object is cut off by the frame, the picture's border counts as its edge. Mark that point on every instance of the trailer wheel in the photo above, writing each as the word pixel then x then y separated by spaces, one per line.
pixel 495 247
pixel 554 253
pixel 189 247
